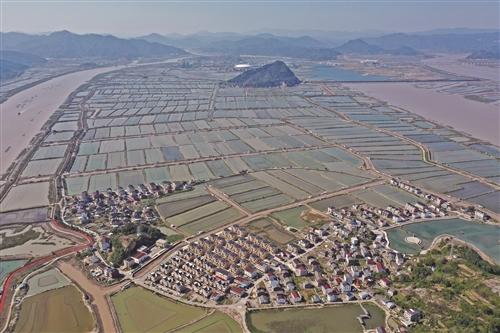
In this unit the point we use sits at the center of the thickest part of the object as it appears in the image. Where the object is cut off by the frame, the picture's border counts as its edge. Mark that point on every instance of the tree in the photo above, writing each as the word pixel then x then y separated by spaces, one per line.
pixel 119 252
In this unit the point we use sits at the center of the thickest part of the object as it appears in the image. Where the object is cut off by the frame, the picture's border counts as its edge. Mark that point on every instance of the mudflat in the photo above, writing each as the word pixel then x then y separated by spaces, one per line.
pixel 453 64
pixel 481 120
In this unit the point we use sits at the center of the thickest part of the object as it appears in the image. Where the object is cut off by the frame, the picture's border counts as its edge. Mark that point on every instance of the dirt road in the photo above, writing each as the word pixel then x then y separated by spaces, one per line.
pixel 97 293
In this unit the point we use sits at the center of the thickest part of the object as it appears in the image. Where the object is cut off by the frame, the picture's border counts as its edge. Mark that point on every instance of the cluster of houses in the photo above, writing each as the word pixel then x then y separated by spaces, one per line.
pixel 437 206
pixel 382 217
pixel 350 262
pixel 119 207
pixel 99 270
pixel 311 237
pixel 221 265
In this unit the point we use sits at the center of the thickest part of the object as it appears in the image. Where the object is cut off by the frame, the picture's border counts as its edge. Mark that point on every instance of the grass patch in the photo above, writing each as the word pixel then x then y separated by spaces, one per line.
pixel 140 310
pixel 59 310
pixel 291 218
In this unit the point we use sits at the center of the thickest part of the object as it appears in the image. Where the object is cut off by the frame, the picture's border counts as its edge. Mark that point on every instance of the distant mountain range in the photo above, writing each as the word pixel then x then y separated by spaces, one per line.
pixel 64 44
pixel 450 42
pixel 294 47
pixel 460 40
pixel 271 75
pixel 262 44
pixel 359 46
pixel 486 54
pixel 13 63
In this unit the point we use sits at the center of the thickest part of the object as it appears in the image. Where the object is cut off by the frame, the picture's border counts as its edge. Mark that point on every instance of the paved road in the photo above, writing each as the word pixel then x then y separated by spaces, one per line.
pixel 223 197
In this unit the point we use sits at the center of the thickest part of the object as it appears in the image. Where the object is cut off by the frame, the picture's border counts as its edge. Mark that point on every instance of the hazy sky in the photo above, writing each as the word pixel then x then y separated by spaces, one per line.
pixel 131 18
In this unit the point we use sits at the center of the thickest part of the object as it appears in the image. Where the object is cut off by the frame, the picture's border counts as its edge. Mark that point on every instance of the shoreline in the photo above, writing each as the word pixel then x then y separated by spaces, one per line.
pixel 444 109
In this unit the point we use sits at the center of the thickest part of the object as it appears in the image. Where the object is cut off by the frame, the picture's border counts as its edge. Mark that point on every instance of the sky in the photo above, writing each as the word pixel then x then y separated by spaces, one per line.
pixel 133 18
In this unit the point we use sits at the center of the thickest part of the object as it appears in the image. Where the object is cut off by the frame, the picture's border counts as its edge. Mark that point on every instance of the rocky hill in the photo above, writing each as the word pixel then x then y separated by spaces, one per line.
pixel 271 75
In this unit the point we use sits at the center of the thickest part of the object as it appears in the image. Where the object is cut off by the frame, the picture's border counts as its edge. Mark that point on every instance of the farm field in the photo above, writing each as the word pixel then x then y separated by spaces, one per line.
pixel 212 221
pixel 482 236
pixel 173 208
pixel 297 218
pixel 139 310
pixel 333 319
pixel 197 213
pixel 271 230
pixel 217 322
pixel 60 310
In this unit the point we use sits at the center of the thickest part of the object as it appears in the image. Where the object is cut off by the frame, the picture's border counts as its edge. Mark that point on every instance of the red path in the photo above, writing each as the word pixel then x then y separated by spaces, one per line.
pixel 8 282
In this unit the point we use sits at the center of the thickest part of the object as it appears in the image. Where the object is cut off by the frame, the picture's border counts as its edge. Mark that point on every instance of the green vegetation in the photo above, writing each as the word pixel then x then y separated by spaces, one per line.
pixel 146 235
pixel 453 294
pixel 174 238
pixel 119 252
pixel 169 209
pixel 60 310
pixel 140 310
pixel 217 322
pixel 330 319
pixel 299 217
pixel 291 218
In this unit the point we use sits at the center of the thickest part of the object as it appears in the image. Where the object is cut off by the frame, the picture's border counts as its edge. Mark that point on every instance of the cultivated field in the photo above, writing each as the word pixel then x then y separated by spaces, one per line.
pixel 217 322
pixel 60 310
pixel 271 230
pixel 140 310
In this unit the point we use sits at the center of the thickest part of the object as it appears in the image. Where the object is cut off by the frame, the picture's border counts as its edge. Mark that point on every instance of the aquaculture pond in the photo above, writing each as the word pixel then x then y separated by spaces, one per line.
pixel 483 236
pixel 336 73
pixel 7 266
pixel 342 318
